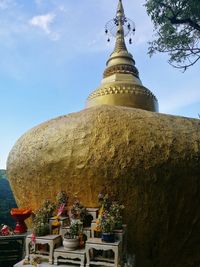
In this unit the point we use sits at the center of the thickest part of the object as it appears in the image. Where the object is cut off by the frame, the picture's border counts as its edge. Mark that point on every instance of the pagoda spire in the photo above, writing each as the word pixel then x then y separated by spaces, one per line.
pixel 119 20
pixel 121 85
pixel 119 28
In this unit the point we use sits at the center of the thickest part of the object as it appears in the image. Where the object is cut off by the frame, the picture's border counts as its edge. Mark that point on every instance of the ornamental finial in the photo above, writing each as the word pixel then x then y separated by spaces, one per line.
pixel 120 27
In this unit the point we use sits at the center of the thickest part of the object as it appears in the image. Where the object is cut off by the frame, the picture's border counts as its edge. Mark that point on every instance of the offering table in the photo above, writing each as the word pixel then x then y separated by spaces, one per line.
pixel 97 244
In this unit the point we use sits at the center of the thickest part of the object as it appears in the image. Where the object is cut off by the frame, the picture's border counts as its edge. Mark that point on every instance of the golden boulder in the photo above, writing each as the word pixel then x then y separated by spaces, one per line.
pixel 151 160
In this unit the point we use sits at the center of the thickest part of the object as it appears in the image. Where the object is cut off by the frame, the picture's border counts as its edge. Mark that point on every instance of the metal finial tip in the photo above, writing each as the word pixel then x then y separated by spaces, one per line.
pixel 120 27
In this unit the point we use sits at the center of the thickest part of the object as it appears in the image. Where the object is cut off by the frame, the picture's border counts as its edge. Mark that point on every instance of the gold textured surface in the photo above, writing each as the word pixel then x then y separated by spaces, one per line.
pixel 125 94
pixel 151 160
pixel 120 68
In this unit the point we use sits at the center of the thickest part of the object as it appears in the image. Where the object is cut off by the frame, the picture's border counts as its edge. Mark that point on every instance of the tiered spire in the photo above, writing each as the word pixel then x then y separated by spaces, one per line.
pixel 121 27
pixel 120 17
pixel 121 84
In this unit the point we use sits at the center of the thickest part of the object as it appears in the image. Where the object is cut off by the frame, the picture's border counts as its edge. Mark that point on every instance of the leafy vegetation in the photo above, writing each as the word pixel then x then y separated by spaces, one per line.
pixel 7 200
pixel 41 218
pixel 177 26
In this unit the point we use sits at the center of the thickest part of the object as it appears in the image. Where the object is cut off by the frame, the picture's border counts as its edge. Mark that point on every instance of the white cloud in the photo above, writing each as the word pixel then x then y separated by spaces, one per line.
pixel 4 4
pixel 44 22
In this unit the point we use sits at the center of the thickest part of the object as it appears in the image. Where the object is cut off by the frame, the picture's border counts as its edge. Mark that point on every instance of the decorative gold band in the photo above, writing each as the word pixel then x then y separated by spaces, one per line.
pixel 122 89
pixel 121 68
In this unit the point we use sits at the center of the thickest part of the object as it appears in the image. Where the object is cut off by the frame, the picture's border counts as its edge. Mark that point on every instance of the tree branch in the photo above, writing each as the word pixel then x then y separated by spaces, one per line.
pixel 178 31
pixel 184 67
pixel 175 20
pixel 188 21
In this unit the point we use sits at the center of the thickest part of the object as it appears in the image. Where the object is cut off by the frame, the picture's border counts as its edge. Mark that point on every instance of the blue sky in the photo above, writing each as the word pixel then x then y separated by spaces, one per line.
pixel 52 56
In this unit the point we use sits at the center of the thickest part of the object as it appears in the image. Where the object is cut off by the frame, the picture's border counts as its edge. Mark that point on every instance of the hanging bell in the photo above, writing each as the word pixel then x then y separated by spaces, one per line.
pixel 106 31
pixel 108 40
pixel 130 41
pixel 133 29
pixel 129 26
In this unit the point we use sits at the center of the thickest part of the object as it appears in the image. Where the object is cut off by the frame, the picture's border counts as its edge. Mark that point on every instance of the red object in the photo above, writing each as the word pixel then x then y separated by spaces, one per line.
pixel 20 216
pixel 61 209
pixel 33 237
pixel 4 230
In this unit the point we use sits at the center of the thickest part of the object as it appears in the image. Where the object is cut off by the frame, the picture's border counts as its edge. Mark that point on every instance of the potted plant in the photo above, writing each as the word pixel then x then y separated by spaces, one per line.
pixel 116 210
pixel 107 225
pixel 110 217
pixel 105 201
pixel 41 218
pixel 71 238
pixel 79 212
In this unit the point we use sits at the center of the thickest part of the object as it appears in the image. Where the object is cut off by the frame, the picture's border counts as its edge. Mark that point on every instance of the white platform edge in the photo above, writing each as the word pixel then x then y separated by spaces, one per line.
pixel 43 264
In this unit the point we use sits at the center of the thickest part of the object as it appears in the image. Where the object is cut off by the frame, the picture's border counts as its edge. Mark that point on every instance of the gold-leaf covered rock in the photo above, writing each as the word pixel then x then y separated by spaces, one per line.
pixel 151 160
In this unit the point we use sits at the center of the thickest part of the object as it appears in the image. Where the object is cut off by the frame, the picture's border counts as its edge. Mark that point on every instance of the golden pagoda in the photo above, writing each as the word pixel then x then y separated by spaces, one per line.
pixel 149 160
pixel 121 84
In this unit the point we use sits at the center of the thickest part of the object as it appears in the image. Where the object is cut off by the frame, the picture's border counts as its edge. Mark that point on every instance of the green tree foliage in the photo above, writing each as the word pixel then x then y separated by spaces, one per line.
pixel 3 174
pixel 177 26
pixel 7 200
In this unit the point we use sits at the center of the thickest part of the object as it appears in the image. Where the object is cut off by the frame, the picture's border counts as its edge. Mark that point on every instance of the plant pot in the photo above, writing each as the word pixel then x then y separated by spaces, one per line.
pixel 70 243
pixel 87 220
pixel 108 237
pixel 42 230
pixel 97 234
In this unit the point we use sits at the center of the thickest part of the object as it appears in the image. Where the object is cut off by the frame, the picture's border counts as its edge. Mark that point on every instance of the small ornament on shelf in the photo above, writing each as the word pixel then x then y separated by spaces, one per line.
pixel 5 230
